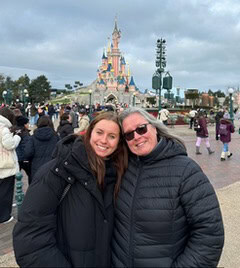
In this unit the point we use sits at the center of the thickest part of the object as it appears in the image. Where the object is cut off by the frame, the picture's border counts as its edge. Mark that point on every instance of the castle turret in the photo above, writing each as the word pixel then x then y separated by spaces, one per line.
pixel 132 86
pixel 116 35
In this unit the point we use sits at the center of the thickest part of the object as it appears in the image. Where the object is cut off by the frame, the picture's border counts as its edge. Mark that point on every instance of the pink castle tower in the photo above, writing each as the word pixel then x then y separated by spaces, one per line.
pixel 115 50
pixel 112 74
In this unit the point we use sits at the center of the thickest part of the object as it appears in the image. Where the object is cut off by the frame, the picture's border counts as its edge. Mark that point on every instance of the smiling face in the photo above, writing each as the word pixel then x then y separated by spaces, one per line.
pixel 141 144
pixel 105 137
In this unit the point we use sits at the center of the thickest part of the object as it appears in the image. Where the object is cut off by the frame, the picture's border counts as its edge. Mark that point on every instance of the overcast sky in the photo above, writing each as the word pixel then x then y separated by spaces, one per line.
pixel 64 39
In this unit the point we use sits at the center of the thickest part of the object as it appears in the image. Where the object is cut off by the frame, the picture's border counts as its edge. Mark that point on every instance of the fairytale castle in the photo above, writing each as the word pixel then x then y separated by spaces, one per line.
pixel 114 83
pixel 113 74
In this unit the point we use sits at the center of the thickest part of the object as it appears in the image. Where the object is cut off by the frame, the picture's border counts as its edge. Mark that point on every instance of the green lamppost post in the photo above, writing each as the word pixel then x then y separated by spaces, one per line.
pixel 19 189
pixel 4 95
pixel 7 95
pixel 24 96
pixel 160 64
pixel 230 91
pixel 90 101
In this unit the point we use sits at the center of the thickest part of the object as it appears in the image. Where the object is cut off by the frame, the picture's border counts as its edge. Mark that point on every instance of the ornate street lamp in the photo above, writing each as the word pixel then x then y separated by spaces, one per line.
pixel 7 95
pixel 160 64
pixel 90 100
pixel 4 95
pixel 24 96
pixel 230 92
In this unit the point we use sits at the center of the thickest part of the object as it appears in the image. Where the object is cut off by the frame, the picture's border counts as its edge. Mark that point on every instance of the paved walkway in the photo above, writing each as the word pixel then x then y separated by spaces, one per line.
pixel 224 176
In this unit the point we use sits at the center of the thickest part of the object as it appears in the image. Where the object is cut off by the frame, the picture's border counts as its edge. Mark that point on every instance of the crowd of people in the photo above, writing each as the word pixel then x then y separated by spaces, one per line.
pixel 115 190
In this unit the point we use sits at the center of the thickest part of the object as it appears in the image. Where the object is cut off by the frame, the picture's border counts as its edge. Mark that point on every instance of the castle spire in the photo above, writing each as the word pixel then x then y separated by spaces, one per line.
pixel 115 25
pixel 109 46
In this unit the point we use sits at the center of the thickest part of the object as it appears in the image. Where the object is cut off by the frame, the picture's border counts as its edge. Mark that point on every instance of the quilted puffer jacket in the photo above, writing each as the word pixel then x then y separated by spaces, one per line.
pixel 167 213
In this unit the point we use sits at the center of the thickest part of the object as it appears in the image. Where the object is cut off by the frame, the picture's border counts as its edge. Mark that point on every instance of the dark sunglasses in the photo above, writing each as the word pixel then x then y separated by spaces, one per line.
pixel 140 131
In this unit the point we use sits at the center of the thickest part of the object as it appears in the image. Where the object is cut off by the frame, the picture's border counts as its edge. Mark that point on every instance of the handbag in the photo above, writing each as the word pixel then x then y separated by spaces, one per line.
pixel 6 159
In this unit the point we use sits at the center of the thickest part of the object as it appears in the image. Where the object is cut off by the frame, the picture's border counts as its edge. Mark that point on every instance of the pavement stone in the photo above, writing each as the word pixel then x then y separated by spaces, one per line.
pixel 224 177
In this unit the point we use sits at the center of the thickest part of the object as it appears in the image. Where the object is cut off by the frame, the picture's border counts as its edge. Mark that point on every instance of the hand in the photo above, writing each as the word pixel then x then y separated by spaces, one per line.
pixel 18 132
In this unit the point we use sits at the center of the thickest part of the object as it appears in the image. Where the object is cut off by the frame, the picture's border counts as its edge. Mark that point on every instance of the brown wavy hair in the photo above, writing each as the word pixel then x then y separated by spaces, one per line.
pixel 119 157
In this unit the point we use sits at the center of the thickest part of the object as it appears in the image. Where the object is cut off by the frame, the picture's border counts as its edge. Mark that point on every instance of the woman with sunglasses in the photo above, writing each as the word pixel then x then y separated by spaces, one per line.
pixel 75 231
pixel 167 213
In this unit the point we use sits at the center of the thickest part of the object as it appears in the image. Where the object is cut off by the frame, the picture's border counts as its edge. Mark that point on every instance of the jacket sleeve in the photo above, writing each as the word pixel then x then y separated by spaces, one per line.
pixel 10 141
pixel 232 130
pixel 206 232
pixel 34 238
pixel 83 124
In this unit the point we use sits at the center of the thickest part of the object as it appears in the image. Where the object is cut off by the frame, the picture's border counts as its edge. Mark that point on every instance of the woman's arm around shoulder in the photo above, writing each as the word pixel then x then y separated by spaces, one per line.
pixel 34 235
pixel 205 224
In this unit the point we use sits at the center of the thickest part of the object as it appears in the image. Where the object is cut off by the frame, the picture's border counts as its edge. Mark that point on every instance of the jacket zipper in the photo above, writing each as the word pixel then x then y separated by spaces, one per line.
pixel 131 248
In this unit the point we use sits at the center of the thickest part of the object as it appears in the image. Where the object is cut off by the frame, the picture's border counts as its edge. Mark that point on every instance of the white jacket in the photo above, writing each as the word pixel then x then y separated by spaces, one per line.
pixel 10 143
pixel 163 115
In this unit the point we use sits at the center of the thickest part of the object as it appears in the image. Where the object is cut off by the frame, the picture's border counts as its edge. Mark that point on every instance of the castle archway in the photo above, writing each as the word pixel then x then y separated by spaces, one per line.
pixel 111 98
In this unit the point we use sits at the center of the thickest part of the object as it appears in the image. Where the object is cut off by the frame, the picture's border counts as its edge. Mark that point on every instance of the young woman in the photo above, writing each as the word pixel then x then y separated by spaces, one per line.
pixel 41 144
pixel 202 133
pixel 65 125
pixel 21 127
pixel 75 232
pixel 8 163
pixel 225 129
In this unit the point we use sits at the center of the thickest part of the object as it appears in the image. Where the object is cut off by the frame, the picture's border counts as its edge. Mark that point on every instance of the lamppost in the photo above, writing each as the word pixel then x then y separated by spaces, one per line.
pixel 90 100
pixel 24 96
pixel 230 92
pixel 4 95
pixel 7 96
pixel 160 64
pixel 134 99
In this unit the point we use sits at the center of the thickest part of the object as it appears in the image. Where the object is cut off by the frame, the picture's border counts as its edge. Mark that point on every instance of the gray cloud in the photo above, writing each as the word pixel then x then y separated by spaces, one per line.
pixel 64 39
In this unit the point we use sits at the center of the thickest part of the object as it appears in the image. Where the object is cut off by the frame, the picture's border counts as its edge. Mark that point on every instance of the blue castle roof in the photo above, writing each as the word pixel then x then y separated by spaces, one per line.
pixel 102 82
pixel 131 82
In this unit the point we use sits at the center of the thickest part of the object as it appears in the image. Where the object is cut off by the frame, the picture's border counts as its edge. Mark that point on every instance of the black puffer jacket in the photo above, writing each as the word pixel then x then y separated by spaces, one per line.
pixel 167 213
pixel 76 233
pixel 40 146
pixel 64 129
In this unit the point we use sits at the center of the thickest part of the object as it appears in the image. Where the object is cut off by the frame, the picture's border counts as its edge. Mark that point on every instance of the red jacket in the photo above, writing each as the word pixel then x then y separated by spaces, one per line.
pixel 203 133
pixel 230 129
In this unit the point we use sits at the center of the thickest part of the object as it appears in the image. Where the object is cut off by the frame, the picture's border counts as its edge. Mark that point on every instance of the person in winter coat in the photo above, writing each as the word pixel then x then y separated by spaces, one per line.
pixel 41 144
pixel 33 115
pixel 167 213
pixel 202 133
pixel 65 125
pixel 74 115
pixel 83 121
pixel 8 163
pixel 225 129
pixel 51 111
pixel 22 125
pixel 218 117
pixel 192 115
pixel 163 115
pixel 74 232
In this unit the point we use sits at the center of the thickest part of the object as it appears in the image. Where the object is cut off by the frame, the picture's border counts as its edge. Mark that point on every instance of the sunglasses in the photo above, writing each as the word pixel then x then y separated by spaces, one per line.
pixel 140 131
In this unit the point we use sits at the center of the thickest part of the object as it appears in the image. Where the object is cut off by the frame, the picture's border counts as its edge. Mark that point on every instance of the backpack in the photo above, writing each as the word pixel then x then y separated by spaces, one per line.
pixel 223 129
pixel 196 125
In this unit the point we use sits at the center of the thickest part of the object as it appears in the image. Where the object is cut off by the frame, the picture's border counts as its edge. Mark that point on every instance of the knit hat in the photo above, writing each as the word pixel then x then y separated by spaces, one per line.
pixel 21 120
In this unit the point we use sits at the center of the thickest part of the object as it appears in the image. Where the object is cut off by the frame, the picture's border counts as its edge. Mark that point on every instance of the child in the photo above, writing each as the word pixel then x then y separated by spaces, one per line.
pixel 225 129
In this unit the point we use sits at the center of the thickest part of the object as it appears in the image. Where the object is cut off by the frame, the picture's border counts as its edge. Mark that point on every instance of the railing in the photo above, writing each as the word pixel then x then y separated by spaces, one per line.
pixel 19 189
